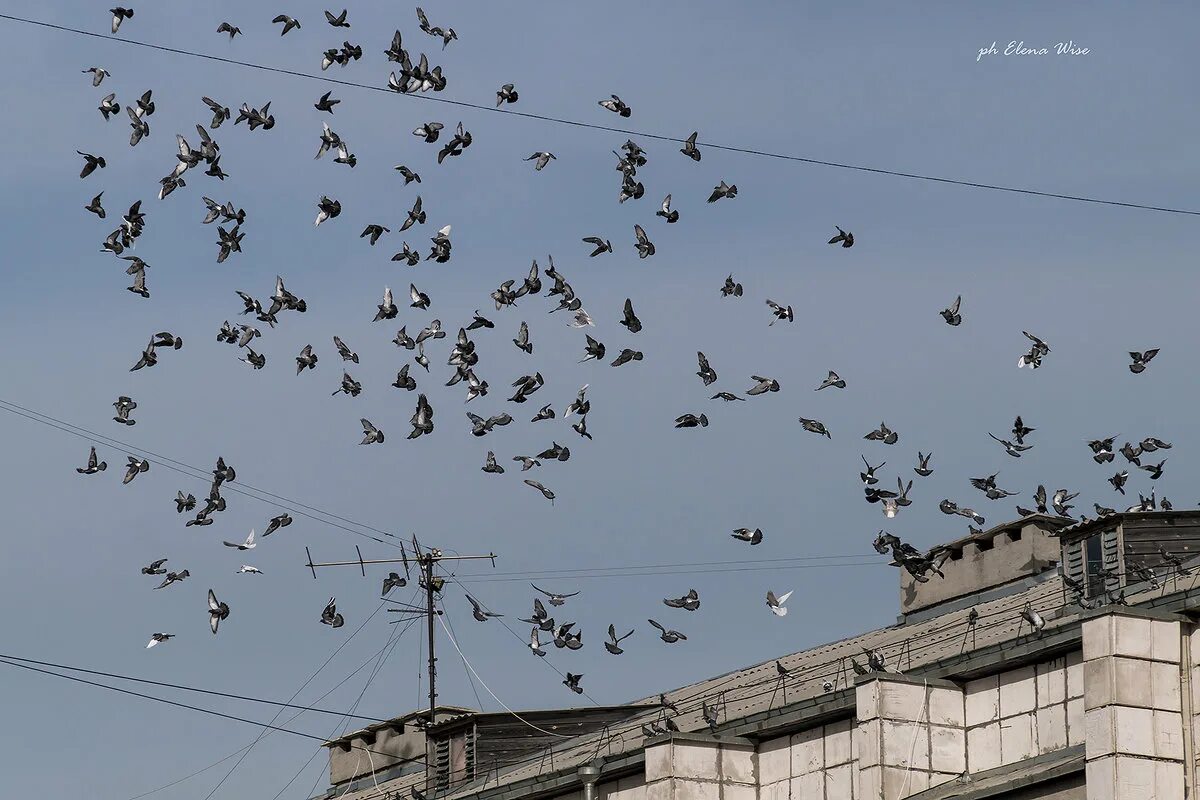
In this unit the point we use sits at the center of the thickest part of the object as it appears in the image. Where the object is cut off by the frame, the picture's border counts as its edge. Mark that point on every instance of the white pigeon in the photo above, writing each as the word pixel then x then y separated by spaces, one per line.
pixel 249 569
pixel 582 319
pixel 159 637
pixel 246 545
pixel 776 604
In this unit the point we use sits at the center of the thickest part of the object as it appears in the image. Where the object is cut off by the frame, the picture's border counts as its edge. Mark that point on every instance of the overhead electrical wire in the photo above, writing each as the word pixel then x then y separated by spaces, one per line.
pixel 607 128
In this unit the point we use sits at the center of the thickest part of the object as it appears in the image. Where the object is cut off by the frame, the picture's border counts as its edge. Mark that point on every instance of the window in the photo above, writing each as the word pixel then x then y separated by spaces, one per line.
pixel 1094 563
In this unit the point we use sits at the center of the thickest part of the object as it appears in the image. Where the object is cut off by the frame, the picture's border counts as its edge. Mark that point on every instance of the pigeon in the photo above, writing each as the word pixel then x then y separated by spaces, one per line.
pixel 255 360
pixel 306 360
pixel 248 544
pixel 98 74
pixel 626 356
pixel 93 465
pixel 549 495
pixel 327 209
pixel 668 636
pixel 184 502
pixel 666 213
pixel 846 239
pixel 951 314
pixel 91 163
pixel 1020 431
pixel 689 602
pixel 387 309
pixel 232 30
pixel 124 406
pixel 96 208
pixel 522 341
pixel 1035 620
pixel 1102 450
pixel 1155 470
pixel 422 418
pixel 762 385
pixel 723 190
pixel 883 434
pixel 814 426
pixel 868 477
pixel 1140 360
pixel 1012 449
pixel 731 289
pixel 1059 502
pixel 155 568
pixel 1033 359
pixel 691 421
pixel 345 352
pixel 339 21
pixel 174 577
pixel 630 319
pixel 922 467
pixel 556 452
pixel 644 246
pixel 572 683
pixel 779 312
pixel 156 638
pixel 409 175
pixel 119 15
pixel 776 604
pixel 689 147
pixel 373 231
pixel 613 645
pixel 491 466
pixel 325 103
pixel 542 158
pixel 507 94
pixel 616 106
pixel 479 612
pixel 330 615
pixel 371 434
pixel 419 298
pixel 1118 481
pixel 746 535
pixel 246 568
pixel 217 611
pixel 277 522
pixel 834 380
pixel 534 644
pixel 288 23
pixel 393 581
pixel 545 412
pixel 600 245
pixel 706 372
pixel 109 105
pixel 136 465
pixel 404 380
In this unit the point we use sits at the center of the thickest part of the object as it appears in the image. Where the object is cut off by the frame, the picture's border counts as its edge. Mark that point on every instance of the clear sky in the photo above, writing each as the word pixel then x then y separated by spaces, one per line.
pixel 869 83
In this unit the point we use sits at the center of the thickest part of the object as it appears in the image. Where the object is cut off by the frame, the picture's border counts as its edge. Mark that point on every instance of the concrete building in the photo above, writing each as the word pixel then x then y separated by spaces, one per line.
pixel 1097 704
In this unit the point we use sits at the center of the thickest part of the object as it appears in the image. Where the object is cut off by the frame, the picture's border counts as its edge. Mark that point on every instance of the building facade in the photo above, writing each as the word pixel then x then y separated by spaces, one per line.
pixel 1056 660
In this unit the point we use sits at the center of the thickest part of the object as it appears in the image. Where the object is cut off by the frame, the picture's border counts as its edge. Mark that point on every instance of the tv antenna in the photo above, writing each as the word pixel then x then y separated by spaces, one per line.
pixel 425 561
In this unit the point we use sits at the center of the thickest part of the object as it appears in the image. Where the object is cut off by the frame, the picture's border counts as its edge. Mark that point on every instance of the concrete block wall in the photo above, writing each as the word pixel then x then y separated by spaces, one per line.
pixel 1025 712
pixel 910 736
pixel 1135 744
pixel 697 767
pixel 630 788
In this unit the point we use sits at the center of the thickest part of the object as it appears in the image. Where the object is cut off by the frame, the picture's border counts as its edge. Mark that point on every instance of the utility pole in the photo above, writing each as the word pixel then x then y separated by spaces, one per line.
pixel 426 561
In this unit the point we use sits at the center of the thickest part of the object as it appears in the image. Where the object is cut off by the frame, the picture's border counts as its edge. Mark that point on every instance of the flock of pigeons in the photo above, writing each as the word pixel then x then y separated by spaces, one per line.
pixel 415 76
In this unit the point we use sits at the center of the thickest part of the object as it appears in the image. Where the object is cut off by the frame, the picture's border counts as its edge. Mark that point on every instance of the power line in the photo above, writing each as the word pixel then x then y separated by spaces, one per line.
pixel 611 129
pixel 182 468
pixel 294 717
pixel 184 705
pixel 212 692
pixel 478 577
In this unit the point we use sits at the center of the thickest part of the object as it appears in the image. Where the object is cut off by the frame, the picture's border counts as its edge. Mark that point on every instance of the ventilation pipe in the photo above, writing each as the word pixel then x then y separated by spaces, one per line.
pixel 588 774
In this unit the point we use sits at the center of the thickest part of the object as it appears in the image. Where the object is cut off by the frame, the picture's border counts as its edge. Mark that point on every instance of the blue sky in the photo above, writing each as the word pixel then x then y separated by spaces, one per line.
pixel 864 82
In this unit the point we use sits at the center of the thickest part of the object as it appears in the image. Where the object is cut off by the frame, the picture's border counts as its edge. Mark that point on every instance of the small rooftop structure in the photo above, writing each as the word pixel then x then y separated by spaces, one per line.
pixel 986 564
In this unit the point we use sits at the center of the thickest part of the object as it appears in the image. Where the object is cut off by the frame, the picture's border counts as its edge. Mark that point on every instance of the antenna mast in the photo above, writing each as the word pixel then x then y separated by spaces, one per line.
pixel 431 583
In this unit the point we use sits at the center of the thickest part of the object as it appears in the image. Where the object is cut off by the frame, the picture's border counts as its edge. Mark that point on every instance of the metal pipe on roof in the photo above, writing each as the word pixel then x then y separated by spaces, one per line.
pixel 588 774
